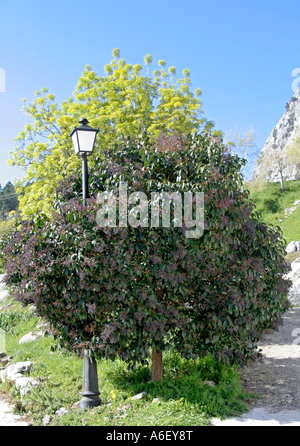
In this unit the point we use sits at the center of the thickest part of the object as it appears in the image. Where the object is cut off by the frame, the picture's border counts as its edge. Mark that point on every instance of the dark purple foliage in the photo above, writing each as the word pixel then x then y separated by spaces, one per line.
pixel 121 291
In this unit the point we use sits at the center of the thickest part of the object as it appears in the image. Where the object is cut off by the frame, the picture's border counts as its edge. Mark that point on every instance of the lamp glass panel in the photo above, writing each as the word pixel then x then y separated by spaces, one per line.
pixel 86 140
pixel 75 142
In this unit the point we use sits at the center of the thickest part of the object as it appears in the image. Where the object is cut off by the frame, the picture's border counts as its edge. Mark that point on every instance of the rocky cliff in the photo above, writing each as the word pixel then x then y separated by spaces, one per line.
pixel 281 139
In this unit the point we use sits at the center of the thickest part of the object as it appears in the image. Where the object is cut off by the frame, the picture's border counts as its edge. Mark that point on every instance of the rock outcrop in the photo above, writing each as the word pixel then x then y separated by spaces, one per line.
pixel 281 139
pixel 292 247
pixel 14 373
pixel 294 276
pixel 3 290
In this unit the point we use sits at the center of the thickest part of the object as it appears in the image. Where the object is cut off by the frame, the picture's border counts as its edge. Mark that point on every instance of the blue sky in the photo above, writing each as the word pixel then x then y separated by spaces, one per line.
pixel 241 54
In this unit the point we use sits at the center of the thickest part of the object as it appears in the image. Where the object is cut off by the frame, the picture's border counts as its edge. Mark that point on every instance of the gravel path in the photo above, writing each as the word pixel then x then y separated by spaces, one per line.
pixel 275 380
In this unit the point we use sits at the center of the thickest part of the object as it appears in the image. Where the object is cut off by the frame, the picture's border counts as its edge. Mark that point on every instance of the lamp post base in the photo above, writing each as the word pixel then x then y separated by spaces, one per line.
pixel 89 401
pixel 90 391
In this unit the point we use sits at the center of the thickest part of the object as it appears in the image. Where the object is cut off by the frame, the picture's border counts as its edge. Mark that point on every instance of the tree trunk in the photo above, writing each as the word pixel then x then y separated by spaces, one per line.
pixel 281 182
pixel 157 365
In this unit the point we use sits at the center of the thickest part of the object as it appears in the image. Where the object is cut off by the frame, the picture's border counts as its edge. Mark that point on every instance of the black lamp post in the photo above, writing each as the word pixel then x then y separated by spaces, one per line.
pixel 83 138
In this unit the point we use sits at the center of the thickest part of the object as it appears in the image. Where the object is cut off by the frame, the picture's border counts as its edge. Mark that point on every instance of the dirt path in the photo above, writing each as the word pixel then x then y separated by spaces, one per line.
pixel 275 380
pixel 7 418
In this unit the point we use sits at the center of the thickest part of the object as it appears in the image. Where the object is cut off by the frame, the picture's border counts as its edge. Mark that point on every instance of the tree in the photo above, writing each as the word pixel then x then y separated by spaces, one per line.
pixel 127 290
pixel 122 103
pixel 277 159
pixel 8 200
pixel 243 145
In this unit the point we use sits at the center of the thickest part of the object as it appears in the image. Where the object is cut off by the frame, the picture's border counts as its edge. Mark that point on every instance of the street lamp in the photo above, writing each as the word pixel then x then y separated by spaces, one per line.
pixel 83 138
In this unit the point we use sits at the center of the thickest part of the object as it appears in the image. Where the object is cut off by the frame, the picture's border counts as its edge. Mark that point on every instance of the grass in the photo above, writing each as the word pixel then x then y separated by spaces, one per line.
pixel 272 202
pixel 181 399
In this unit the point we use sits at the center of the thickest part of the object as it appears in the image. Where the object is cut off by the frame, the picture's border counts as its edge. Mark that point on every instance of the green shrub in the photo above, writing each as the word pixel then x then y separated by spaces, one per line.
pixel 118 292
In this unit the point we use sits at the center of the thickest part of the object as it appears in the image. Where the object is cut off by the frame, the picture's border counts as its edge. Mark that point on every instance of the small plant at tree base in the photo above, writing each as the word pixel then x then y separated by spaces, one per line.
pixel 126 291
